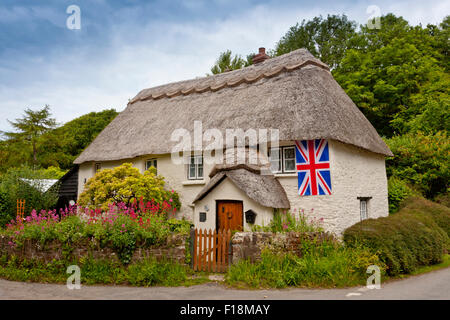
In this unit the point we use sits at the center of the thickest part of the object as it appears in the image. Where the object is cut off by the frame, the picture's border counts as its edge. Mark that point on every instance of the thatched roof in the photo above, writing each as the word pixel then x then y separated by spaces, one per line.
pixel 294 93
pixel 264 189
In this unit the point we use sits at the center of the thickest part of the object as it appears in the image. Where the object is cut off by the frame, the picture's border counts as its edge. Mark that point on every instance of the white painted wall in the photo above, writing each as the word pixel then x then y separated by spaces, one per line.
pixel 227 190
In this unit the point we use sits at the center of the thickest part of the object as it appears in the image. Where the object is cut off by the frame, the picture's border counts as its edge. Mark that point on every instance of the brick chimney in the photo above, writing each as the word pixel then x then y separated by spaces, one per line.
pixel 261 56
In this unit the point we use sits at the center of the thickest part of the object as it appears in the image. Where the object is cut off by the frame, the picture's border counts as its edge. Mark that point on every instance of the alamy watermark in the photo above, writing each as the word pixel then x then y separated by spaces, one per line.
pixel 374 20
pixel 74 280
pixel 374 281
pixel 240 146
pixel 73 22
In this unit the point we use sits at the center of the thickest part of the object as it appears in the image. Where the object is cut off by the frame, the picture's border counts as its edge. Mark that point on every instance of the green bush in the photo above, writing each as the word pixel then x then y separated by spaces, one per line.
pixel 420 206
pixel 403 241
pixel 325 265
pixel 443 199
pixel 398 191
pixel 422 161
pixel 13 187
pixel 125 184
pixel 148 272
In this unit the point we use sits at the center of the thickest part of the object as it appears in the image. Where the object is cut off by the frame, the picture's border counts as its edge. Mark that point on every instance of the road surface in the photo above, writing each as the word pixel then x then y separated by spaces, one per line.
pixel 433 285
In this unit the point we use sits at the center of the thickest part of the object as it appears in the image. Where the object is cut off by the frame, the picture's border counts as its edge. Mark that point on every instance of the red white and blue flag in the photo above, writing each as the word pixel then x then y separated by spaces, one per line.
pixel 313 167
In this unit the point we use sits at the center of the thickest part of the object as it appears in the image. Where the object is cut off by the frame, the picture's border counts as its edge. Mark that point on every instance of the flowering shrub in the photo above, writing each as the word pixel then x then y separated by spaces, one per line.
pixel 121 227
pixel 126 184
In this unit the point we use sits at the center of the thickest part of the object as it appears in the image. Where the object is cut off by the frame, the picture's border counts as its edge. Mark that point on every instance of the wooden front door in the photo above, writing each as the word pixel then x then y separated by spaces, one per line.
pixel 229 215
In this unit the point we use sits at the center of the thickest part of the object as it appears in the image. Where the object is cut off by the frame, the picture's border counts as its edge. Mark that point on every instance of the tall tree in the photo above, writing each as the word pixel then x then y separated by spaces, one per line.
pixel 227 63
pixel 397 78
pixel 62 145
pixel 327 39
pixel 31 127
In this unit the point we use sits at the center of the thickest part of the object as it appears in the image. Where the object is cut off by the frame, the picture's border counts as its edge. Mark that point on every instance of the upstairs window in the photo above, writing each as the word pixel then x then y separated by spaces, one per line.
pixel 151 163
pixel 195 168
pixel 98 167
pixel 282 159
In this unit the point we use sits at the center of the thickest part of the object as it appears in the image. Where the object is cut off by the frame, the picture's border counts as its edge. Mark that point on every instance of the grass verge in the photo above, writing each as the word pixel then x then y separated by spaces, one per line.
pixel 145 273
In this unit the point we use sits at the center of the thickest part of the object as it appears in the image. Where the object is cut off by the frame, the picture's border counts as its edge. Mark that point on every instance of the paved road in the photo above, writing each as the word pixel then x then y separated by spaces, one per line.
pixel 434 285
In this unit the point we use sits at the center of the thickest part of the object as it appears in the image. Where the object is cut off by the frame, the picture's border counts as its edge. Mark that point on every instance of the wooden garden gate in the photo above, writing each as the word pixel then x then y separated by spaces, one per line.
pixel 211 250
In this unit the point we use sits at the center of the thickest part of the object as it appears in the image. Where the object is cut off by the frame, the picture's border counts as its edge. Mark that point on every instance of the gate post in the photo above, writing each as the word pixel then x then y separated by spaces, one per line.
pixel 230 249
pixel 191 245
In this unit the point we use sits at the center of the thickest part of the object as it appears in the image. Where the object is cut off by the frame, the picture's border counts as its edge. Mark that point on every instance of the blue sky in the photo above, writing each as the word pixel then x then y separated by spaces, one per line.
pixel 125 46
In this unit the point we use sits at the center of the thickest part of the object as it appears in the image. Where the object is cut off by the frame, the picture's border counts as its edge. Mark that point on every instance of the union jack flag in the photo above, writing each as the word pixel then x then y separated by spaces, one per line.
pixel 313 167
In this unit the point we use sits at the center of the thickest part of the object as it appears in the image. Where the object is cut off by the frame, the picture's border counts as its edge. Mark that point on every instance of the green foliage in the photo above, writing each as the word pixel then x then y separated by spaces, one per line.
pixel 13 187
pixel 406 240
pixel 443 199
pixel 126 184
pixel 148 272
pixel 327 39
pixel 285 221
pixel 30 128
pixel 326 264
pixel 398 191
pixel 397 77
pixel 226 63
pixel 422 161
pixel 439 213
pixel 62 145
pixel 122 230
pixel 54 147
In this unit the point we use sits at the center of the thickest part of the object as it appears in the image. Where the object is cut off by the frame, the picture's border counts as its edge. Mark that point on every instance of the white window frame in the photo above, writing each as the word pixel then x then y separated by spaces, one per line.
pixel 197 165
pixel 282 159
pixel 154 162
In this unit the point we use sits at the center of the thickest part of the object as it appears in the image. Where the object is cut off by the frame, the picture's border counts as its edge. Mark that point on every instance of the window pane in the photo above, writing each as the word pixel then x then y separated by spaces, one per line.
pixel 200 171
pixel 275 161
pixel 289 164
pixel 289 153
pixel 191 171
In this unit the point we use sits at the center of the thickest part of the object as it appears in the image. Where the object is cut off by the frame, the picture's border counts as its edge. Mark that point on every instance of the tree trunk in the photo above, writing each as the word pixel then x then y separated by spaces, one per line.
pixel 34 155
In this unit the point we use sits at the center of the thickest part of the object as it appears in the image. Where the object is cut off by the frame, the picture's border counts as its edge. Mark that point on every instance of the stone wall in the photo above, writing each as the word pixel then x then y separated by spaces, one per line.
pixel 248 245
pixel 174 249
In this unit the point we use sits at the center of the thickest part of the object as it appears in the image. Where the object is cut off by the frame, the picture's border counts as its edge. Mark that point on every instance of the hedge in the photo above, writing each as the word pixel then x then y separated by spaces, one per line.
pixel 412 237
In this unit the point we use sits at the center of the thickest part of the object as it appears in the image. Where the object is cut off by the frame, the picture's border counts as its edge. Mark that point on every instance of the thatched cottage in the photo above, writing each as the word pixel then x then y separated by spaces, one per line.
pixel 329 162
